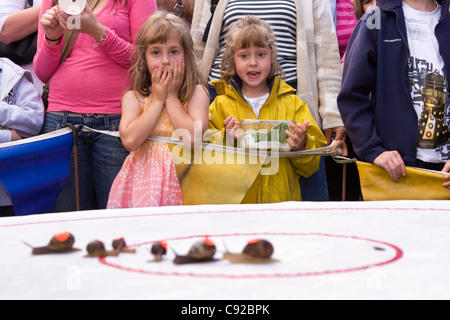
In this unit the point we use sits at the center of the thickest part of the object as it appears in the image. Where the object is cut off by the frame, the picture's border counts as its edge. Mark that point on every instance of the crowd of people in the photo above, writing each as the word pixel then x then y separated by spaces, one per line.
pixel 372 74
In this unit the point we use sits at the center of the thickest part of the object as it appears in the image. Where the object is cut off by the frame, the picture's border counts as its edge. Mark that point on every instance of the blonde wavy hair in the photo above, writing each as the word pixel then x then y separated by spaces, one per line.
pixel 157 29
pixel 244 33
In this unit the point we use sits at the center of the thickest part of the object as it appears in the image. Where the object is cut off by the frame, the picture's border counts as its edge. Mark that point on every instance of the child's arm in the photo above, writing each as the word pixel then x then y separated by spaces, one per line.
pixel 135 127
pixel 189 125
pixel 313 138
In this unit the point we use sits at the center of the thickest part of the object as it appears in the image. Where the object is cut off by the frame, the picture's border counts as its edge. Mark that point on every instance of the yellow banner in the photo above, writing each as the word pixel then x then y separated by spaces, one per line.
pixel 418 184
pixel 214 177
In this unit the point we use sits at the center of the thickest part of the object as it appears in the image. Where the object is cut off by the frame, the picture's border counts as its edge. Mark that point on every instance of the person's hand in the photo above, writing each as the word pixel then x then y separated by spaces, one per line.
pixel 338 133
pixel 231 123
pixel 447 176
pixel 188 7
pixel 231 129
pixel 176 80
pixel 86 22
pixel 15 136
pixel 50 24
pixel 297 140
pixel 392 162
pixel 160 82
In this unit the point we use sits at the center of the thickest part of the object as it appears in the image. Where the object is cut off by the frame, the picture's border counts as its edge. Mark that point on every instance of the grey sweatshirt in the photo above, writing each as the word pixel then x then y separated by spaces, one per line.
pixel 21 106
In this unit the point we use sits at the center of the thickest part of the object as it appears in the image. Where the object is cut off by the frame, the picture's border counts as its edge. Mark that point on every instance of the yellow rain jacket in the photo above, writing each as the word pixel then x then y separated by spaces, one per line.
pixel 282 104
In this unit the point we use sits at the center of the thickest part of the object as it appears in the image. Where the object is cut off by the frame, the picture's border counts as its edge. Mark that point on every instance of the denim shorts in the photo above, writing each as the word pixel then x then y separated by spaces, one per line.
pixel 99 156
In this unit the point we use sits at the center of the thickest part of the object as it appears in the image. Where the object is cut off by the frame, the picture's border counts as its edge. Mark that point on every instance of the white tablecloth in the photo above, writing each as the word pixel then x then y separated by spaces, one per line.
pixel 335 250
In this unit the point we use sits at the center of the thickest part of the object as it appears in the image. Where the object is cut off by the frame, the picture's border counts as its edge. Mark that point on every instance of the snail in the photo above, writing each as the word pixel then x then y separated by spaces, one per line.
pixel 201 251
pixel 119 245
pixel 97 248
pixel 256 251
pixel 60 243
pixel 158 250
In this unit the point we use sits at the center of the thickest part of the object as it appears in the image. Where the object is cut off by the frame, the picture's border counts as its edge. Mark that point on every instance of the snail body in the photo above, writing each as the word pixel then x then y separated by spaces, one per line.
pixel 60 243
pixel 256 251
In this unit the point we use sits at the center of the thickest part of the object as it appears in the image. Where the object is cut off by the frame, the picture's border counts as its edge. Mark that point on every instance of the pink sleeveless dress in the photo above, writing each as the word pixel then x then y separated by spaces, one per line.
pixel 148 177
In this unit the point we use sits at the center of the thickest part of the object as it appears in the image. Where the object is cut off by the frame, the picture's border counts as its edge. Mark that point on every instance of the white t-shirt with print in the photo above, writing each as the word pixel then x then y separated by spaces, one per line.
pixel 424 60
pixel 257 103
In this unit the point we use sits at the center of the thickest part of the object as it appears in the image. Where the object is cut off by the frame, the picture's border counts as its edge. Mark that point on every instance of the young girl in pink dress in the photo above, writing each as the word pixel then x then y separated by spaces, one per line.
pixel 167 93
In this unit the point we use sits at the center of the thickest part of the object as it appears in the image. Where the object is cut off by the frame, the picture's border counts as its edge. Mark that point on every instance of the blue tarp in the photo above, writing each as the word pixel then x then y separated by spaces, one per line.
pixel 34 170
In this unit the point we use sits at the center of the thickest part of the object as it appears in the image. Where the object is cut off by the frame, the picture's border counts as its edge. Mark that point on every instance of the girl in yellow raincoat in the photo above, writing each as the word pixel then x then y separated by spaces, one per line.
pixel 251 89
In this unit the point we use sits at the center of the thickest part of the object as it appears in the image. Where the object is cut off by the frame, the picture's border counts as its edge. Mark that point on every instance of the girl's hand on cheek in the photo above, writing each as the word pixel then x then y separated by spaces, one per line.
pixel 177 79
pixel 160 82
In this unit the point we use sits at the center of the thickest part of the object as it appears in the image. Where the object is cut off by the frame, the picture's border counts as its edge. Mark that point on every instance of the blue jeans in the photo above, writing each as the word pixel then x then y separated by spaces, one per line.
pixel 100 158
pixel 315 188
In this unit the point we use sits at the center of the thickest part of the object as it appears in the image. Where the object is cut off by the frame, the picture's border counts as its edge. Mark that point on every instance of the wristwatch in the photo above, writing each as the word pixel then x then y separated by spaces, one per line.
pixel 178 8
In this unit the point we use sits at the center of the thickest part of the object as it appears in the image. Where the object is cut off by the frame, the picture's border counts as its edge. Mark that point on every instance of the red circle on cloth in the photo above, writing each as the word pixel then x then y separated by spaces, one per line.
pixel 398 253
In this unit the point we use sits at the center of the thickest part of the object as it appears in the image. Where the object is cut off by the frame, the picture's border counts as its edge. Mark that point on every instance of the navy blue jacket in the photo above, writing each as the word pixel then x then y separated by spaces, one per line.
pixel 376 66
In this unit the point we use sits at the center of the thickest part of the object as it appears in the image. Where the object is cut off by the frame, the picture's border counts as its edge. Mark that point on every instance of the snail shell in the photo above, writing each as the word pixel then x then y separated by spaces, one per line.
pixel 259 249
pixel 95 247
pixel 119 244
pixel 159 249
pixel 202 250
pixel 61 241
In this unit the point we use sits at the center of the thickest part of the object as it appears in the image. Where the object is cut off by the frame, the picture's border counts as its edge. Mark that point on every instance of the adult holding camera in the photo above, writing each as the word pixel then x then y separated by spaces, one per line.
pixel 87 87
pixel 19 21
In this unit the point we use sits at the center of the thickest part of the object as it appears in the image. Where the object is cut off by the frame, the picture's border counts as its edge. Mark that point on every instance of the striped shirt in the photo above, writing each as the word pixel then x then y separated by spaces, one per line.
pixel 345 23
pixel 280 15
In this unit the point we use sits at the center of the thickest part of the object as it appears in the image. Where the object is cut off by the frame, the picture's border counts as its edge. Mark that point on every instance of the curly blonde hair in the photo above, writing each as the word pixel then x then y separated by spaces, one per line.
pixel 157 29
pixel 246 32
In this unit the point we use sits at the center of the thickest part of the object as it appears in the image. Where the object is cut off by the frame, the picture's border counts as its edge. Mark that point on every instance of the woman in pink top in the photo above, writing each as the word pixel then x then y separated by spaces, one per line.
pixel 345 23
pixel 86 89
